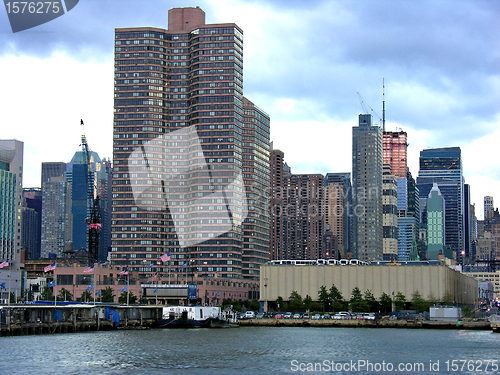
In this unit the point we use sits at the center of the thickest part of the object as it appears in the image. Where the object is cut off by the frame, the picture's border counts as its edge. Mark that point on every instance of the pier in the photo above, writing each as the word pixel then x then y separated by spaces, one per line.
pixel 28 319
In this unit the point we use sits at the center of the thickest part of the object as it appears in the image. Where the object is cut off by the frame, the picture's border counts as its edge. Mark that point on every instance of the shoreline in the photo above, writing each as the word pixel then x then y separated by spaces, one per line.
pixel 354 323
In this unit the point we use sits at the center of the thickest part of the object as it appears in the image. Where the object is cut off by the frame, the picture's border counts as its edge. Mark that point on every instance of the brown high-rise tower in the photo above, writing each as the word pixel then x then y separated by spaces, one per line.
pixel 190 158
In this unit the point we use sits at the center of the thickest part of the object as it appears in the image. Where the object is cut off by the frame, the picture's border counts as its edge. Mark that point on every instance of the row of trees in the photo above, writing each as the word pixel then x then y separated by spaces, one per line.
pixel 332 300
pixel 240 305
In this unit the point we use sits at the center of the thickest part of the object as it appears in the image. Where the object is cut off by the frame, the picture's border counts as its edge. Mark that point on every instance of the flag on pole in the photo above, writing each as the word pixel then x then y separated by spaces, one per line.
pixel 51 284
pixel 52 267
pixel 124 272
pixel 90 287
pixel 87 270
pixel 165 257
pixel 4 264
pixel 150 265
pixel 154 275
pixel 217 294
pixel 2 285
pixel 184 265
pixel 155 290
pixel 123 289
pixel 98 293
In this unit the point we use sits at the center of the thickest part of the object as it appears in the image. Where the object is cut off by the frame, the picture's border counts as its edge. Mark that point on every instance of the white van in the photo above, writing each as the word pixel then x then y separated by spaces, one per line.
pixel 249 315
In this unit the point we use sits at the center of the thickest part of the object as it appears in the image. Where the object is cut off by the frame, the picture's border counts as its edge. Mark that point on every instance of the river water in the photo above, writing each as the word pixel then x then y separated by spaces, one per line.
pixel 254 350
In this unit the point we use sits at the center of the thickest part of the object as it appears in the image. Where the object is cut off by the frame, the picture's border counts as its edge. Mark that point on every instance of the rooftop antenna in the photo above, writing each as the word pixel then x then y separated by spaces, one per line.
pixel 383 104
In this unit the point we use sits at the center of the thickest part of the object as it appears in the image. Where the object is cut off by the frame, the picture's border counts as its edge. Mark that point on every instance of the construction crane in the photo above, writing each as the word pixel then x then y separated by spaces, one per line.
pixel 93 220
pixel 367 109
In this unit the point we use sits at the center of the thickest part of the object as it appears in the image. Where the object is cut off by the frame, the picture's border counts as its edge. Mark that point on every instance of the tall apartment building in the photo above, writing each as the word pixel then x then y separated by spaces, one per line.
pixel 57 221
pixel 185 143
pixel 367 161
pixel 256 179
pixel 339 211
pixel 276 209
pixel 443 166
pixel 11 178
pixel 390 217
pixel 304 218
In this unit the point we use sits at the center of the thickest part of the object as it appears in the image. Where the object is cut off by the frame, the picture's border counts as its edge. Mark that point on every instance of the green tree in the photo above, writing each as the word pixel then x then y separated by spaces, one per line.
pixel 447 299
pixel 64 295
pixel 417 302
pixel 279 303
pixel 432 300
pixel 46 294
pixel 400 301
pixel 316 306
pixel 295 302
pixel 323 296
pixel 254 305
pixel 385 303
pixel 373 305
pixel 107 295
pixel 336 299
pixel 357 303
pixel 122 299
pixel 467 311
pixel 86 297
pixel 307 302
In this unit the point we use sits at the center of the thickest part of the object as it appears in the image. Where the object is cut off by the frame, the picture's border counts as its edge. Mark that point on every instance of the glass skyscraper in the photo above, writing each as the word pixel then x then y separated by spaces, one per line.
pixel 443 166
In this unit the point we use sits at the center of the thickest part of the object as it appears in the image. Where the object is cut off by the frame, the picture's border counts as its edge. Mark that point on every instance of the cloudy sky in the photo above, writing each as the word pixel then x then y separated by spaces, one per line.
pixel 304 63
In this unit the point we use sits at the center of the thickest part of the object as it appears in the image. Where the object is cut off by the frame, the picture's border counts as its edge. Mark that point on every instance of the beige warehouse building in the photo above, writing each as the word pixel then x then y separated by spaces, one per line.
pixel 429 280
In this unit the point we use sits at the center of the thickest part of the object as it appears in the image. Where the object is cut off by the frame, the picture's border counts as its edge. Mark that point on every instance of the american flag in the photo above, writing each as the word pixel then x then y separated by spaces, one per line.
pixel 90 269
pixel 165 257
pixel 4 264
pixel 123 289
pixel 124 272
pixel 52 267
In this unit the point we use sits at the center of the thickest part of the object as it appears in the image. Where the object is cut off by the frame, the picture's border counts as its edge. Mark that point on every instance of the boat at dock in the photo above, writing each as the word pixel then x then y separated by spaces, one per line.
pixel 196 317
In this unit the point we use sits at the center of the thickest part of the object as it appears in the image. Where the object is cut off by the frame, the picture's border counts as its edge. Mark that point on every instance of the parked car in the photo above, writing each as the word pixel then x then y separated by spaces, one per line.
pixel 306 316
pixel 297 316
pixel 326 316
pixel 288 315
pixel 278 316
pixel 259 315
pixel 337 316
pixel 249 315
pixel 369 317
pixel 316 316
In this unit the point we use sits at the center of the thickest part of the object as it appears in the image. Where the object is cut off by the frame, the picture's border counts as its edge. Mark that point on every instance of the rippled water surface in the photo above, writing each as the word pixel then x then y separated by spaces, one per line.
pixel 250 350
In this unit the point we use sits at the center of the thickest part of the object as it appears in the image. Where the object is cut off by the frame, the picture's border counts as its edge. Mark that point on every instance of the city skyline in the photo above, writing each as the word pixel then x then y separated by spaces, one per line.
pixel 440 73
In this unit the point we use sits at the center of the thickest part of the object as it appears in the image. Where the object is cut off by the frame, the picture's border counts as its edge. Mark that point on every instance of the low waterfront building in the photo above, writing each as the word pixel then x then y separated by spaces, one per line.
pixel 492 277
pixel 429 280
